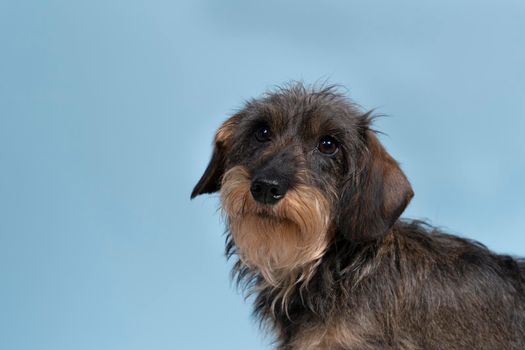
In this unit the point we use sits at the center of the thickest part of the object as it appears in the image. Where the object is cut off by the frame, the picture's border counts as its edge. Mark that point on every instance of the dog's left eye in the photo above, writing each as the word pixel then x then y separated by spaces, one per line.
pixel 263 133
pixel 328 145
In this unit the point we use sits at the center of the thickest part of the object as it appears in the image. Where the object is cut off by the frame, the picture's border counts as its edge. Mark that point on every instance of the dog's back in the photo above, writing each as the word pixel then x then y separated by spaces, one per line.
pixel 469 297
pixel 521 264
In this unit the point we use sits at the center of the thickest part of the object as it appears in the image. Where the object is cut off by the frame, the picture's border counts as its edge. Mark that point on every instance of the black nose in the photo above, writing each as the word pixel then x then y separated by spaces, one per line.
pixel 267 191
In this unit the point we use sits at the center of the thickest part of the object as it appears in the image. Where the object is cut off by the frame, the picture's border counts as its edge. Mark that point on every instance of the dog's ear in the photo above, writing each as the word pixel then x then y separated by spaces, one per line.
pixel 211 179
pixel 378 196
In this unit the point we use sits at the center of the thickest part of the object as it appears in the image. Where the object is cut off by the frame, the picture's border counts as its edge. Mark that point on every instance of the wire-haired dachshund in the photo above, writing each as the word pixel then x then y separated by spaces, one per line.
pixel 313 203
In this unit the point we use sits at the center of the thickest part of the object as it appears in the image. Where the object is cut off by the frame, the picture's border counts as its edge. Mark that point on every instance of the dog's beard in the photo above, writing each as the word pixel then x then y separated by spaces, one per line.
pixel 286 238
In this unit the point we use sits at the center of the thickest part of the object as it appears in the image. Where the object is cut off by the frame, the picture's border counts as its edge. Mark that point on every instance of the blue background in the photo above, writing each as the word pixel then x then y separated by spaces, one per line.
pixel 108 109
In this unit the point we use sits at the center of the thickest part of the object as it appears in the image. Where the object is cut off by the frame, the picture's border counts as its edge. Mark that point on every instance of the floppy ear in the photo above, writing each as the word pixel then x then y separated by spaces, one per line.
pixel 379 195
pixel 211 179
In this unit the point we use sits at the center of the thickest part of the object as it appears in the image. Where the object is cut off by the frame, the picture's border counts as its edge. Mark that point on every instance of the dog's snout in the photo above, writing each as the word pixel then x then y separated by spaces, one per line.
pixel 267 191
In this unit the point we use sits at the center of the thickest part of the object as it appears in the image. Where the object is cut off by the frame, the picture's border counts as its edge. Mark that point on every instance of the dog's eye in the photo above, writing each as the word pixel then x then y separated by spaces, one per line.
pixel 263 133
pixel 328 145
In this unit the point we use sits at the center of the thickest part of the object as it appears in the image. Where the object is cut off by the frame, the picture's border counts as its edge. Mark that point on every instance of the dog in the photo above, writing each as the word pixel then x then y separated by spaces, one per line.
pixel 312 202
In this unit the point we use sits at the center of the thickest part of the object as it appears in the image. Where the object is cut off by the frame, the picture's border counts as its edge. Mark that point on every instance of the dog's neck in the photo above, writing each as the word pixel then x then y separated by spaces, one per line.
pixel 314 288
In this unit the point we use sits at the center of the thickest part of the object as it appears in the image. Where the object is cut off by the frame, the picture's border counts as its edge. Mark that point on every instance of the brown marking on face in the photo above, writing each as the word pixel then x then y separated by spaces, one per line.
pixel 210 180
pixel 224 134
pixel 278 239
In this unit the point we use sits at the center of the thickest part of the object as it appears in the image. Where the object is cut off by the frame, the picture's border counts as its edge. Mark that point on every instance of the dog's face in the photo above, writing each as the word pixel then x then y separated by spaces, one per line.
pixel 297 170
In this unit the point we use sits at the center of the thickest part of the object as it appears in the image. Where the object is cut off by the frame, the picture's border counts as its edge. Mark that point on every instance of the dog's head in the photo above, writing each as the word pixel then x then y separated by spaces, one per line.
pixel 297 170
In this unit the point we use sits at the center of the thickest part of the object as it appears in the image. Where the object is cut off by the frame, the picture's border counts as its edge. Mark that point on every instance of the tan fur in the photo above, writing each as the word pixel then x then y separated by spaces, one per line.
pixel 289 236
pixel 333 337
pixel 225 133
pixel 338 336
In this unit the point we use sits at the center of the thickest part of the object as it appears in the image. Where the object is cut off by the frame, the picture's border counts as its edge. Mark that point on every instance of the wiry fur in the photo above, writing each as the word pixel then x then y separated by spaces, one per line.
pixel 279 241
pixel 331 264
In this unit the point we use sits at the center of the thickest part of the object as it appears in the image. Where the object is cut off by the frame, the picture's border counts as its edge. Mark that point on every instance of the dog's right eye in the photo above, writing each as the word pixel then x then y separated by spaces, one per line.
pixel 328 145
pixel 263 133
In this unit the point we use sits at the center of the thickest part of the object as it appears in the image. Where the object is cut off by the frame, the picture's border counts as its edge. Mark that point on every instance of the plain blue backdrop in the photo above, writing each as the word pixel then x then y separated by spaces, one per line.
pixel 107 113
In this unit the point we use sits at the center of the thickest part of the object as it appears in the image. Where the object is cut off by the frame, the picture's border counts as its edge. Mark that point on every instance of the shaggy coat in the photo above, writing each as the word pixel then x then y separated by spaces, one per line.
pixel 312 202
